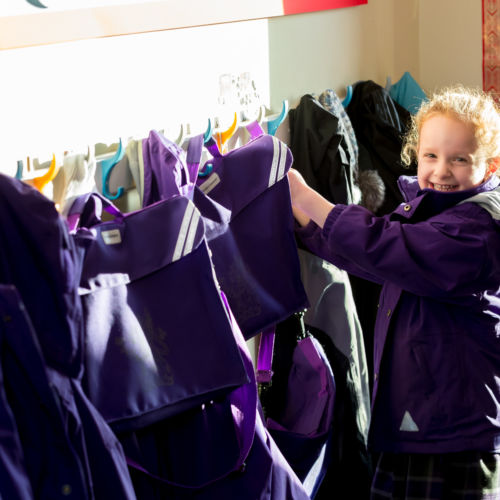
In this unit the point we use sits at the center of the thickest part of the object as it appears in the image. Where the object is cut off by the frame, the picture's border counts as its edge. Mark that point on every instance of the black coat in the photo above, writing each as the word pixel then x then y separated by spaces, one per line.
pixel 320 151
pixel 380 123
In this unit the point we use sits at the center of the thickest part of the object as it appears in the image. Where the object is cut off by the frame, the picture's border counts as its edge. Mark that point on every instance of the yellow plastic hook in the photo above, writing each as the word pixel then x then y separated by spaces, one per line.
pixel 41 181
pixel 222 137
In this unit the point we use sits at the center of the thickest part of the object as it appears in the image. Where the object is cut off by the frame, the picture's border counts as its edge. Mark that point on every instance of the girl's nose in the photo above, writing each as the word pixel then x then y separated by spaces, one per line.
pixel 441 169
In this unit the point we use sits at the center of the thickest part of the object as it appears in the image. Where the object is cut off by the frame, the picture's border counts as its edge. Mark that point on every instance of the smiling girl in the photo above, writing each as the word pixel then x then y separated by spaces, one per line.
pixel 436 399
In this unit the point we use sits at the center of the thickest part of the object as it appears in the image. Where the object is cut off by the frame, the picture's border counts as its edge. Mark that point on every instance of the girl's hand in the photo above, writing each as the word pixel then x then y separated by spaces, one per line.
pixel 306 202
pixel 298 186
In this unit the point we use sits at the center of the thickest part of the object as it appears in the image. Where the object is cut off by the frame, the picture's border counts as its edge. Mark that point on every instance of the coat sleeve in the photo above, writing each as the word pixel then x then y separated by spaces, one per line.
pixel 315 241
pixel 450 255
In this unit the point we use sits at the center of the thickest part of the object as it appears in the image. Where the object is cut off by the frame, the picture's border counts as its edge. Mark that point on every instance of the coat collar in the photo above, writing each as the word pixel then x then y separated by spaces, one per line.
pixel 413 195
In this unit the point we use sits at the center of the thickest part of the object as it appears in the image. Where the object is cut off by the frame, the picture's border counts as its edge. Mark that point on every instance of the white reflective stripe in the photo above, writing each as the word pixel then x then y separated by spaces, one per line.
pixel 408 424
pixel 192 233
pixel 183 232
pixel 281 168
pixel 274 165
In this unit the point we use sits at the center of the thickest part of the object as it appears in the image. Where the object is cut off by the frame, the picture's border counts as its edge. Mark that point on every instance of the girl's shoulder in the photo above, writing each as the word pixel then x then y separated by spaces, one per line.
pixel 489 201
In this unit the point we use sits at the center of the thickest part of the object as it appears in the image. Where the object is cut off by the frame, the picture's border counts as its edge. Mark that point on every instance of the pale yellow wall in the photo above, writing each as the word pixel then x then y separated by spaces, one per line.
pixel 406 38
pixel 450 42
pixel 312 52
pixel 438 41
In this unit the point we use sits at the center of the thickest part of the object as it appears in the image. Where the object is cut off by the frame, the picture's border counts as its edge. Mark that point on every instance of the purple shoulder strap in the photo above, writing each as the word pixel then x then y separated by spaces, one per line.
pixel 193 158
pixel 265 356
pixel 82 203
pixel 255 130
pixel 213 148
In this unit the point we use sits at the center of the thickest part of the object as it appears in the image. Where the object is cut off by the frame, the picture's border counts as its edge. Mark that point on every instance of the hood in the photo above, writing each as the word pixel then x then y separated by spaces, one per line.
pixel 489 200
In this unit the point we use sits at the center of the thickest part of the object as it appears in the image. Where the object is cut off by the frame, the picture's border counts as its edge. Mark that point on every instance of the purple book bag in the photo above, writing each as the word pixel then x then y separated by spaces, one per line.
pixel 158 339
pixel 180 441
pixel 244 198
pixel 220 450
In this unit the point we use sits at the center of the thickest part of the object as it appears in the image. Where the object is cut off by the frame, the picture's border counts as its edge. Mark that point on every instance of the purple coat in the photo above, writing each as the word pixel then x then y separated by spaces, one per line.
pixel 436 339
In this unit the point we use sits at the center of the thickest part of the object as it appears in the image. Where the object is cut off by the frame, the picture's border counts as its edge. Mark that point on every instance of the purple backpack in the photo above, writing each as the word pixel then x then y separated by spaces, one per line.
pixel 244 200
pixel 298 394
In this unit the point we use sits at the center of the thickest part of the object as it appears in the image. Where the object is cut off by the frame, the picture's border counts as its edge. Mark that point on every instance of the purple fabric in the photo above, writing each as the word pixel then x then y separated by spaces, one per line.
pixel 38 258
pixel 311 392
pixel 246 210
pixel 163 152
pixel 31 399
pixel 149 296
pixel 87 458
pixel 235 416
pixel 14 481
pixel 42 339
pixel 304 428
pixel 439 315
pixel 207 447
pixel 304 431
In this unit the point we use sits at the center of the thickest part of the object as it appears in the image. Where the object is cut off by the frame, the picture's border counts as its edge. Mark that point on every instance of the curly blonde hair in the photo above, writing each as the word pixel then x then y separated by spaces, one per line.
pixel 471 106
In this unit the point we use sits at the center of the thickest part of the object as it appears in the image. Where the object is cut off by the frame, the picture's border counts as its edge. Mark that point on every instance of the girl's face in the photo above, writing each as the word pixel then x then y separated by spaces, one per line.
pixel 445 155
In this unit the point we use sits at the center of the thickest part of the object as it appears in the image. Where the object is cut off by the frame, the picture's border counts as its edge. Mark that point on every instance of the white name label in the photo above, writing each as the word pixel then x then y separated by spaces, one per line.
pixel 111 237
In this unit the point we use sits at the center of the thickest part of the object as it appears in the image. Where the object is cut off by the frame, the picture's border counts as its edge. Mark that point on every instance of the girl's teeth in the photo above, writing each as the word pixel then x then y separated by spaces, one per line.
pixel 444 187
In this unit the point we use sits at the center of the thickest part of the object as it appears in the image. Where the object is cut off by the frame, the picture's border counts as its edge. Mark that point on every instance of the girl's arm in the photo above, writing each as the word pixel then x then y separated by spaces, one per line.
pixel 307 206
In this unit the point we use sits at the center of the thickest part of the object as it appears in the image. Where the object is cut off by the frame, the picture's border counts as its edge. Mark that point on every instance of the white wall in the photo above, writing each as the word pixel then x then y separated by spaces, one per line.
pixel 65 96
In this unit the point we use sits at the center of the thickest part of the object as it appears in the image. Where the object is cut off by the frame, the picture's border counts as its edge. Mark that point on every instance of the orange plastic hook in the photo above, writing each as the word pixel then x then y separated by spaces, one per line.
pixel 41 181
pixel 222 137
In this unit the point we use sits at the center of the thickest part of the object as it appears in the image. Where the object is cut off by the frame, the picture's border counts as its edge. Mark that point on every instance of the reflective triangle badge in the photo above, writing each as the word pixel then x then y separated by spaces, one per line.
pixel 408 424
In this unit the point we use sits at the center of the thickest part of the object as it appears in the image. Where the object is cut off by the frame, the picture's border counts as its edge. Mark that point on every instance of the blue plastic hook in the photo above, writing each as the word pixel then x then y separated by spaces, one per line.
pixel 106 166
pixel 19 172
pixel 272 125
pixel 208 132
pixel 348 97
pixel 36 3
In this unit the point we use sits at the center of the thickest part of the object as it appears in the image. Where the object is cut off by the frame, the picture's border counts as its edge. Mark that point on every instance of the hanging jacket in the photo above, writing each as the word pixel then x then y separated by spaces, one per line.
pixel 436 352
pixel 379 124
pixel 14 481
pixel 408 93
pixel 69 450
pixel 321 152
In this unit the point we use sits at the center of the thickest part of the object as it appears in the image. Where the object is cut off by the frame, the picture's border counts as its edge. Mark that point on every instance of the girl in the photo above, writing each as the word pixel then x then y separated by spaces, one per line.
pixel 436 398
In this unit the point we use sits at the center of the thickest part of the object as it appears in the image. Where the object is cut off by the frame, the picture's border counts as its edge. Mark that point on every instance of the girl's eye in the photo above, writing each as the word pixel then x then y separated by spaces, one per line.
pixel 461 159
pixel 429 155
